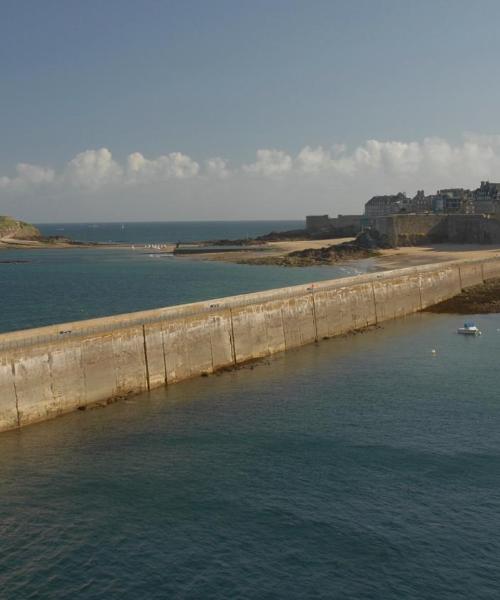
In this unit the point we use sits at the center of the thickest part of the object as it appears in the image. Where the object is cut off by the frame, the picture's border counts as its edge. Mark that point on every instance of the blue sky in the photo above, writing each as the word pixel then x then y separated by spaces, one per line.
pixel 224 79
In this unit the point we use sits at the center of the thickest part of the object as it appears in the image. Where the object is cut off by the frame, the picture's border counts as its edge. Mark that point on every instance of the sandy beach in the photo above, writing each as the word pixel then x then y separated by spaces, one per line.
pixel 420 255
pixel 267 249
pixel 393 258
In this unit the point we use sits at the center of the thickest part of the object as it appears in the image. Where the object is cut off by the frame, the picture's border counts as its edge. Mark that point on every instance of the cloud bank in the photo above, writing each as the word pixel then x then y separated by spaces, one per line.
pixel 94 185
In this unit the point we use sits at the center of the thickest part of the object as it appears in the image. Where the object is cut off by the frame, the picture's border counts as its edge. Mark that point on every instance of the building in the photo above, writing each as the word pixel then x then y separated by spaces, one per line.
pixel 317 224
pixel 379 206
pixel 342 225
pixel 421 203
pixel 487 198
pixel 454 200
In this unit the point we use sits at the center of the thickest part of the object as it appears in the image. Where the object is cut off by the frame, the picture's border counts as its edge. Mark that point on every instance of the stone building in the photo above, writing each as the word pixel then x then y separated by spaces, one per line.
pixel 454 200
pixel 379 206
pixel 342 225
pixel 317 224
pixel 487 198
pixel 420 203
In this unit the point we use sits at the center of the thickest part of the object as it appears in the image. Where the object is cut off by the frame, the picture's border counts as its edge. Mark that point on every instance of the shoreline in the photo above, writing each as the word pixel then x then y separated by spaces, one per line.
pixel 109 358
pixel 276 253
pixel 43 245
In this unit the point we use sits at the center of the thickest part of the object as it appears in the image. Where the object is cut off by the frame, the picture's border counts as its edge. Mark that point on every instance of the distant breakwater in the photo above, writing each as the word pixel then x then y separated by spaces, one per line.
pixel 49 371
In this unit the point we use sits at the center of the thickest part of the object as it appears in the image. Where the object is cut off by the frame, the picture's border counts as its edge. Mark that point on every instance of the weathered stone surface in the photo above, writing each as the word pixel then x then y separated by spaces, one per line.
pixel 98 368
pixel 221 340
pixel 470 274
pixel 8 400
pixel 298 321
pixel 68 381
pixel 439 284
pixel 51 370
pixel 343 309
pixel 32 378
pixel 491 269
pixel 250 331
pixel 397 296
pixel 129 361
pixel 153 334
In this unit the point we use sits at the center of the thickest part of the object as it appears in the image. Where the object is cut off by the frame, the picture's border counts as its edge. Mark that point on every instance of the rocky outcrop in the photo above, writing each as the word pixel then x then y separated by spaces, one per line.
pixel 17 230
pixel 365 245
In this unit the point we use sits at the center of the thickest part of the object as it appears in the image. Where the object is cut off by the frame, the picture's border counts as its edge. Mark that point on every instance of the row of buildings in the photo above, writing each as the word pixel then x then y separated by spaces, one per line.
pixel 483 200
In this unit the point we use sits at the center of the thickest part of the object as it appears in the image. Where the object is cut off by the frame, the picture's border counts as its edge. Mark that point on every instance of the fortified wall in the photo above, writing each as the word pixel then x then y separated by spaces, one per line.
pixel 48 371
pixel 340 226
pixel 414 229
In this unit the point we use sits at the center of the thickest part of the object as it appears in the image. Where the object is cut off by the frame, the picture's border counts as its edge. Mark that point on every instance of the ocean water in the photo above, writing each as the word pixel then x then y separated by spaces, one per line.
pixel 47 286
pixel 363 467
pixel 173 231
pixel 61 285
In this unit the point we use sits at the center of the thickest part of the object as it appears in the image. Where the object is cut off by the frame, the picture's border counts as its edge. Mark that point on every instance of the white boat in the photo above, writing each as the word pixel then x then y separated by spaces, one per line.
pixel 469 329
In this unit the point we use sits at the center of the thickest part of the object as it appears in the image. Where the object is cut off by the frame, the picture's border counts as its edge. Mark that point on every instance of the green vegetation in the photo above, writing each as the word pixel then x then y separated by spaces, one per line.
pixel 13 229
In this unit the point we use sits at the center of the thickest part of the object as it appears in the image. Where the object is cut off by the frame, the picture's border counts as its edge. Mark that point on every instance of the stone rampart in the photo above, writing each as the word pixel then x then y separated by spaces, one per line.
pixel 414 229
pixel 51 370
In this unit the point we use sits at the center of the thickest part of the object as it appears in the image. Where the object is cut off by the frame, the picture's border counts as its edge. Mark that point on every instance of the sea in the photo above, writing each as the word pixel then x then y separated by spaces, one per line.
pixel 173 232
pixel 46 286
pixel 363 467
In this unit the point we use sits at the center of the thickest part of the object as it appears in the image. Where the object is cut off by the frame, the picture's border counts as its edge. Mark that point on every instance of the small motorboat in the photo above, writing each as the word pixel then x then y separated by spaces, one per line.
pixel 469 329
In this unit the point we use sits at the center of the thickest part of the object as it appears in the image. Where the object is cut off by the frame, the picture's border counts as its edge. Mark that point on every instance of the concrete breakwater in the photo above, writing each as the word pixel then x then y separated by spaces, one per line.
pixel 48 371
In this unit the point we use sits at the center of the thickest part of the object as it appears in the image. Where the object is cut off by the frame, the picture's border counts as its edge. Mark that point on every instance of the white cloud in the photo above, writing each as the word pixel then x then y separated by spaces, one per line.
pixel 276 184
pixel 174 165
pixel 27 176
pixel 34 174
pixel 270 162
pixel 313 160
pixel 217 167
pixel 93 169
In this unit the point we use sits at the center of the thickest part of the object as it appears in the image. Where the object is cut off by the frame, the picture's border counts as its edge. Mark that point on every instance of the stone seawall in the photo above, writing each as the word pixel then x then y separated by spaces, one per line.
pixel 48 371
pixel 414 229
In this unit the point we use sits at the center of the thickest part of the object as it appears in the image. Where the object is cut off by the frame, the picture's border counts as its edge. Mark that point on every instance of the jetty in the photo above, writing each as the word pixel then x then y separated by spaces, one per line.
pixel 48 371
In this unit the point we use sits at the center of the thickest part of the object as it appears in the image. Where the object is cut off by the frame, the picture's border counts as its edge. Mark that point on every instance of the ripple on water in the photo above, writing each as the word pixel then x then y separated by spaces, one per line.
pixel 363 467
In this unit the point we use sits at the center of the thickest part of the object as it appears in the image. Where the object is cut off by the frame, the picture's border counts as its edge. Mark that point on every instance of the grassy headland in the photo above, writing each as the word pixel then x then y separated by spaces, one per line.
pixel 12 229
pixel 18 234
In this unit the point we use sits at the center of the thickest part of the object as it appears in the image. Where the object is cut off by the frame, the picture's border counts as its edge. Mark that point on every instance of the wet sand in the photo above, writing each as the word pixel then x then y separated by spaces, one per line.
pixel 398 258
pixel 269 250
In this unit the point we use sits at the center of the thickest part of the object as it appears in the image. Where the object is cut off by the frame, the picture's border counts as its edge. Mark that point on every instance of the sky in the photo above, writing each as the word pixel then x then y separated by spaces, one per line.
pixel 118 110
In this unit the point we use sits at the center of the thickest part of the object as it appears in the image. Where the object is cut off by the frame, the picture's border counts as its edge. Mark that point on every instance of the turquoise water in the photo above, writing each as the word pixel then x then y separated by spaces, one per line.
pixel 363 467
pixel 60 285
pixel 42 287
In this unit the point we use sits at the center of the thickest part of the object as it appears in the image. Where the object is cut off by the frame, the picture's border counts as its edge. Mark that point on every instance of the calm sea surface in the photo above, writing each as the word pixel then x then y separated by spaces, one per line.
pixel 157 232
pixel 60 285
pixel 361 468
pixel 364 467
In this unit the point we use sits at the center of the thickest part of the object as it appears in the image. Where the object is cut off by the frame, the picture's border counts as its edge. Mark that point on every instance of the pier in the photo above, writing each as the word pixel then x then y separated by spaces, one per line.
pixel 48 371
